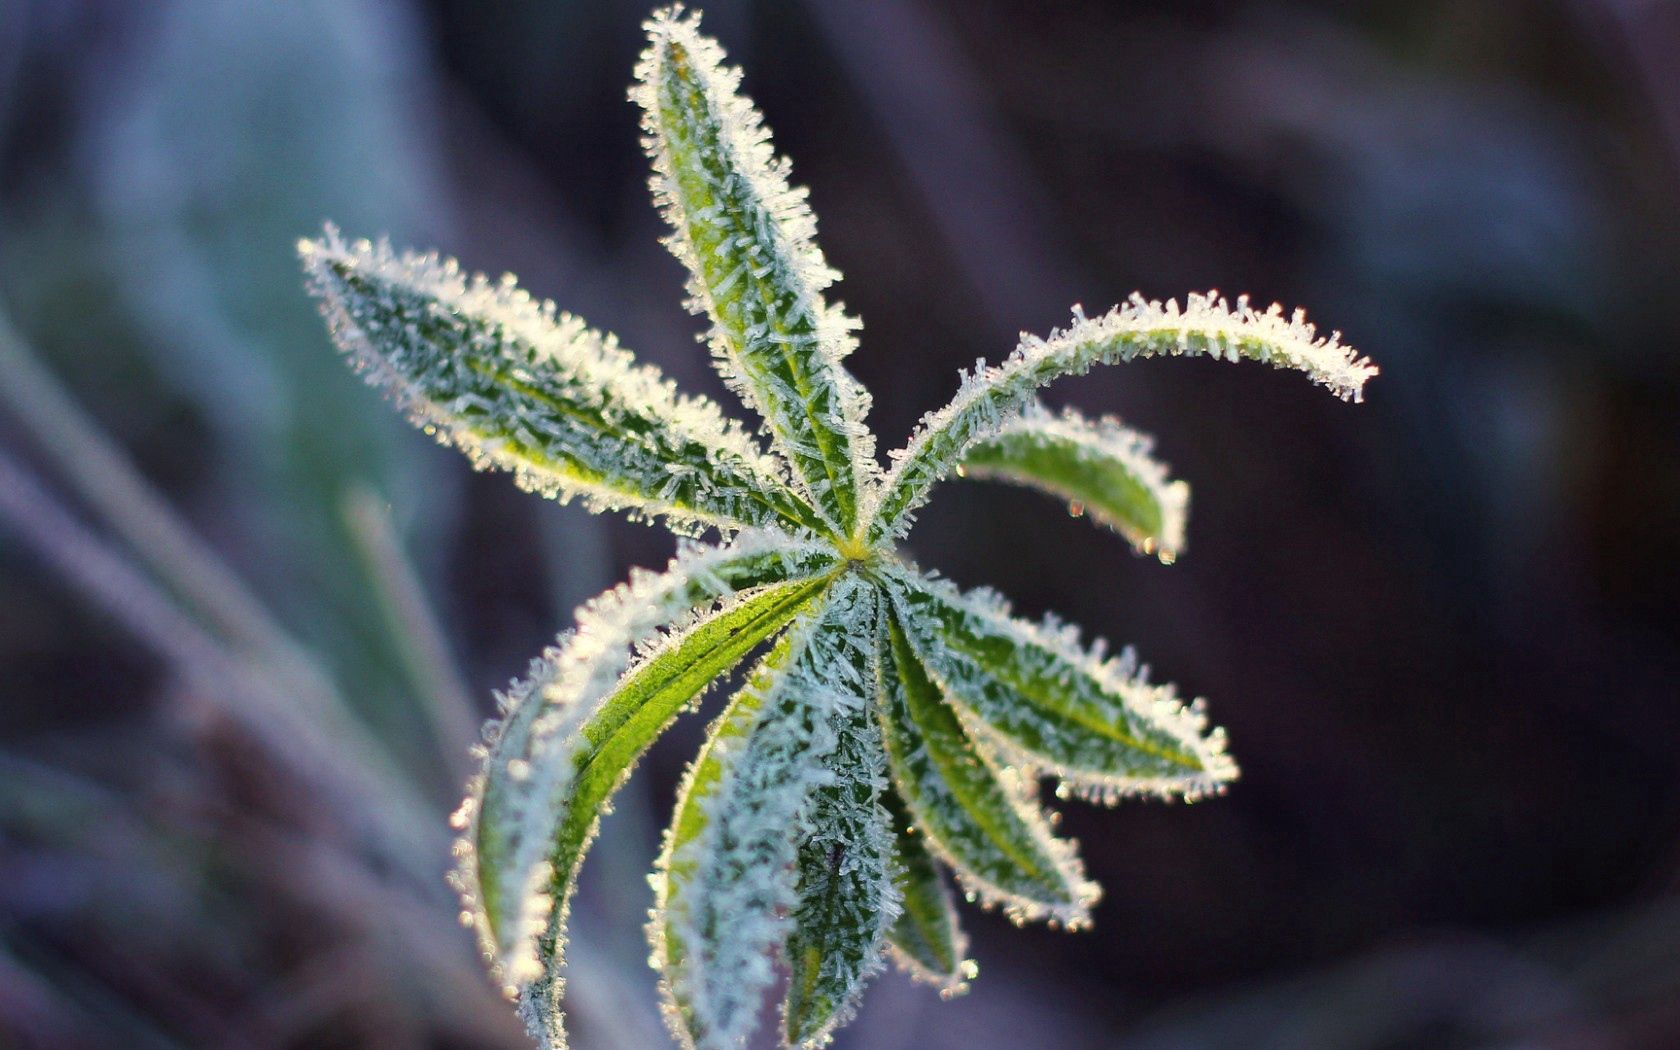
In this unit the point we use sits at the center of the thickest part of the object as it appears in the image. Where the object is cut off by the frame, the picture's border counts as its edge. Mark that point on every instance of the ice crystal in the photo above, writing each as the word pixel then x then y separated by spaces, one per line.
pixel 896 726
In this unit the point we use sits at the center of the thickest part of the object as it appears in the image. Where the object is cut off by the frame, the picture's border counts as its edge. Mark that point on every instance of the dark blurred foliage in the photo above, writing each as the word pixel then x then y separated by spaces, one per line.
pixel 1443 628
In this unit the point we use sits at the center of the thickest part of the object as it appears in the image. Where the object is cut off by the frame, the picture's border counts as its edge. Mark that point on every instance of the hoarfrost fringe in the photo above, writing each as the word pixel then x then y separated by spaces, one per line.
pixel 991 396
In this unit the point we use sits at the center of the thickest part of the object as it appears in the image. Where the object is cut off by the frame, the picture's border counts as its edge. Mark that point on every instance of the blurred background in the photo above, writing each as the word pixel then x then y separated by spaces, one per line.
pixel 250 621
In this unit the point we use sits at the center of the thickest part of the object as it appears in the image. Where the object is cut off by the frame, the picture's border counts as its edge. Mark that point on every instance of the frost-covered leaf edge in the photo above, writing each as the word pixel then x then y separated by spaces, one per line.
pixel 993 394
pixel 1122 678
pixel 1005 790
pixel 701 864
pixel 617 633
pixel 784 230
pixel 563 341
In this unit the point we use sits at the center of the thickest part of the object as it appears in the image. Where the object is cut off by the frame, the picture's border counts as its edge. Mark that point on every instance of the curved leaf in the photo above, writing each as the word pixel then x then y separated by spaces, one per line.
pixel 976 817
pixel 725 883
pixel 749 244
pixel 1093 721
pixel 1101 468
pixel 574 729
pixel 927 939
pixel 994 394
pixel 517 386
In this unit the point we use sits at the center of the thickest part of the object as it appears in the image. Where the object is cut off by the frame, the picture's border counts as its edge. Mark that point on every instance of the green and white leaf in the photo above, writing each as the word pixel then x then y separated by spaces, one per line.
pixel 1103 469
pixel 726 885
pixel 1051 703
pixel 993 394
pixel 517 386
pixel 898 725
pixel 927 940
pixel 572 731
pixel 749 242
pixel 848 898
pixel 977 816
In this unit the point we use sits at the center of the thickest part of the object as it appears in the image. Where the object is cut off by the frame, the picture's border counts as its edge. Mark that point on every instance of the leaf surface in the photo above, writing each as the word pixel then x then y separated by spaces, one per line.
pixel 994 394
pixel 572 732
pixel 976 816
pixel 848 897
pixel 1099 469
pixel 754 267
pixel 520 387
pixel 1053 704
pixel 726 883
pixel 927 938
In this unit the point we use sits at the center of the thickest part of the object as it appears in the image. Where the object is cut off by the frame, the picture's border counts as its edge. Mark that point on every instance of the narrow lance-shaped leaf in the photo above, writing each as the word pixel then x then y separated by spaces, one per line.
pixel 927 938
pixel 754 266
pixel 977 817
pixel 848 897
pixel 725 883
pixel 1050 703
pixel 574 729
pixel 994 394
pixel 519 387
pixel 1099 469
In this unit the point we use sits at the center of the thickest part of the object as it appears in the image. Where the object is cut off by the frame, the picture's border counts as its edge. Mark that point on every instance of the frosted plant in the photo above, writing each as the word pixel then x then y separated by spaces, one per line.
pixel 896 726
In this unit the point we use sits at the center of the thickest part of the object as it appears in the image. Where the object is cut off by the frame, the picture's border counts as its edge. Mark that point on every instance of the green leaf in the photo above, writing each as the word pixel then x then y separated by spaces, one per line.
pixel 573 731
pixel 994 395
pixel 519 387
pixel 1095 722
pixel 1099 469
pixel 927 938
pixel 726 887
pixel 847 894
pixel 755 270
pixel 977 818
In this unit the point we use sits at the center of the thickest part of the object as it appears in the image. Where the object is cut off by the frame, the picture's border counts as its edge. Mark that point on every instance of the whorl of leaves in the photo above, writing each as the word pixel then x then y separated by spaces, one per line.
pixel 893 728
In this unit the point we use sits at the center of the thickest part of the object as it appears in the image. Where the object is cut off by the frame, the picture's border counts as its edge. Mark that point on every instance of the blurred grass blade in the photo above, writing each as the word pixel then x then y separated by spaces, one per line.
pixel 1100 469
pixel 573 730
pixel 755 269
pixel 517 386
pixel 1094 721
pixel 414 626
pixel 993 395
pixel 927 938
pixel 726 885
pixel 974 815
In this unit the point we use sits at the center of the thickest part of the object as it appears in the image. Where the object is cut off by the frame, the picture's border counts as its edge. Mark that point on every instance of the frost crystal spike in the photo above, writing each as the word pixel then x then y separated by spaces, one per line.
pixel 893 728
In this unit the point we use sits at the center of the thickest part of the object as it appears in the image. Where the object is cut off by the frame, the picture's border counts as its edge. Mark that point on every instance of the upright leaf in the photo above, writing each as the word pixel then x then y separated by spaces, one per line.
pixel 754 267
pixel 574 729
pixel 519 387
pixel 1051 703
pixel 726 884
pixel 927 938
pixel 976 816
pixel 1101 469
pixel 994 395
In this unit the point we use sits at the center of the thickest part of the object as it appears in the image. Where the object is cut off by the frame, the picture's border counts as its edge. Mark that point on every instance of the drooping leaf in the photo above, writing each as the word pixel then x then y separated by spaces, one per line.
pixel 725 883
pixel 574 729
pixel 994 394
pixel 847 895
pixel 1100 469
pixel 927 938
pixel 976 816
pixel 519 387
pixel 1094 721
pixel 754 267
